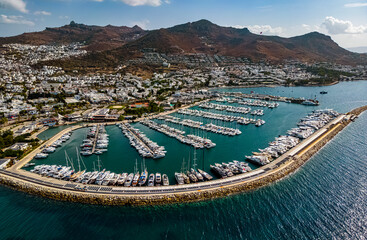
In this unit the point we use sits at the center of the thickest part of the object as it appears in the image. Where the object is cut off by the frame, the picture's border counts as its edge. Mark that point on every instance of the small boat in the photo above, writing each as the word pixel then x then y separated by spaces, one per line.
pixel 179 178
pixel 151 180
pixel 129 180
pixel 98 152
pixel 205 174
pixel 197 174
pixel 41 155
pixel 122 179
pixel 29 164
pixel 135 179
pixel 143 178
pixel 323 92
pixel 186 178
pixel 165 180
pixel 158 179
pixel 86 153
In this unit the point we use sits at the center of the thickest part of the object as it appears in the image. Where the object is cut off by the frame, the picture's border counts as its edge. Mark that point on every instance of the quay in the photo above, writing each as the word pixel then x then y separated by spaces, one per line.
pixel 92 194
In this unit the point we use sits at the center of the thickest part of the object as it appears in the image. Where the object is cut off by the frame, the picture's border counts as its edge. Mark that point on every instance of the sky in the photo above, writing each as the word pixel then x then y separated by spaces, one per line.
pixel 344 20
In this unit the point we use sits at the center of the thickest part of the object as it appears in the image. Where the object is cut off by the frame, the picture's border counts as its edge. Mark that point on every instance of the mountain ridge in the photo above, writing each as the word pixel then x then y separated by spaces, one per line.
pixel 117 44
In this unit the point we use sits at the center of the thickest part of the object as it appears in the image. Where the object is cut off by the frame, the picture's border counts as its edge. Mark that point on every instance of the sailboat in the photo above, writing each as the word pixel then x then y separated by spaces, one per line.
pixel 193 170
pixel 136 174
pixel 144 174
pixel 78 177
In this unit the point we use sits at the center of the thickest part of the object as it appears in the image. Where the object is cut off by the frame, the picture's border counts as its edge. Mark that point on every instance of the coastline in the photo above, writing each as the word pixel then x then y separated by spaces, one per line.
pixel 276 170
pixel 281 85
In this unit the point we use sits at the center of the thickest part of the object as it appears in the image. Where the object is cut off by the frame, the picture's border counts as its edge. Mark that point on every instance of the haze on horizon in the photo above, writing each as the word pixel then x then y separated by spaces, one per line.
pixel 344 20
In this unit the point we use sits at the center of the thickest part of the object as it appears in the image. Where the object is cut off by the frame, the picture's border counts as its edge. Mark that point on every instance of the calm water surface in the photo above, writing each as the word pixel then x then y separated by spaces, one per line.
pixel 325 199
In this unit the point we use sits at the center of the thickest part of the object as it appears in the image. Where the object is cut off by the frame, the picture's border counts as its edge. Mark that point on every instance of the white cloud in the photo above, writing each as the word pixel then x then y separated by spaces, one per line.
pixel 18 5
pixel 64 17
pixel 263 29
pixel 336 26
pixel 306 26
pixel 15 20
pixel 42 13
pixel 134 3
pixel 143 24
pixel 354 5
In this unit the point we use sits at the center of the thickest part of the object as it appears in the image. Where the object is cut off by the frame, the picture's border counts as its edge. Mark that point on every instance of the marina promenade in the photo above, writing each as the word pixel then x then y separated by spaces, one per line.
pixel 70 191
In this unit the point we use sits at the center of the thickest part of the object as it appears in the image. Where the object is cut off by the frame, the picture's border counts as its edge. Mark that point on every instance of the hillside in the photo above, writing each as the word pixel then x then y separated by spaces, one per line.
pixel 115 45
pixel 96 38
pixel 205 37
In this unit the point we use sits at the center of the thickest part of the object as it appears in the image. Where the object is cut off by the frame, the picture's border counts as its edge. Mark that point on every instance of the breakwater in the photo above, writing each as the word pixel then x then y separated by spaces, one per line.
pixel 276 170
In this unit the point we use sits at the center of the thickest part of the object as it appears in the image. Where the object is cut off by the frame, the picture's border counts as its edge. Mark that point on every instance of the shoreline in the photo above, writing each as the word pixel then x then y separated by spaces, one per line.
pixel 282 85
pixel 276 170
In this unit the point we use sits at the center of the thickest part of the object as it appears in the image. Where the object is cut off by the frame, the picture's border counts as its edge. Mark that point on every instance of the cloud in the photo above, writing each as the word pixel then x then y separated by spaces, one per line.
pixel 64 17
pixel 143 24
pixel 336 26
pixel 354 5
pixel 15 20
pixel 306 26
pixel 134 3
pixel 263 29
pixel 42 13
pixel 18 5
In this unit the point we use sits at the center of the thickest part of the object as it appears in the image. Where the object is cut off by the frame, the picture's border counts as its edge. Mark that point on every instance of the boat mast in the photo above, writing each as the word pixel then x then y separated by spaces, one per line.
pixel 77 155
pixel 183 166
pixel 99 164
pixel 68 159
pixel 194 160
pixel 136 166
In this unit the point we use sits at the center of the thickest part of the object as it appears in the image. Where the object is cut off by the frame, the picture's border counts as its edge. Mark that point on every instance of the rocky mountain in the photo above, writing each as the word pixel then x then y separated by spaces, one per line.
pixel 205 37
pixel 96 38
pixel 111 45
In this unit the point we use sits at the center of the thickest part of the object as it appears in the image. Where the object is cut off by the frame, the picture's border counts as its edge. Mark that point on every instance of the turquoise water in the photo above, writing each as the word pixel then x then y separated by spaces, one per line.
pixel 325 199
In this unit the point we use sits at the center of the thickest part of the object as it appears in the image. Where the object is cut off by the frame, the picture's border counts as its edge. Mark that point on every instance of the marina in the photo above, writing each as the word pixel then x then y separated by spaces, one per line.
pixel 231 183
pixel 238 175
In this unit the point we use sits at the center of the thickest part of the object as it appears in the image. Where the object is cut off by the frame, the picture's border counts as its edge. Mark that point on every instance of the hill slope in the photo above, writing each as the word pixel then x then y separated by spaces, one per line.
pixel 111 45
pixel 97 38
pixel 205 37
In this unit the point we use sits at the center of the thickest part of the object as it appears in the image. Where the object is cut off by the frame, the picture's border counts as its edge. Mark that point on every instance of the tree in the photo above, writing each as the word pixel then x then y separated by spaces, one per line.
pixel 23 113
pixel 3 120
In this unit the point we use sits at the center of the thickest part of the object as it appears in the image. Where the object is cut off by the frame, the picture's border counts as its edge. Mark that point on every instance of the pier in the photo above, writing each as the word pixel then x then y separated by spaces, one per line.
pixel 95 140
pixel 140 140
pixel 199 125
pixel 279 168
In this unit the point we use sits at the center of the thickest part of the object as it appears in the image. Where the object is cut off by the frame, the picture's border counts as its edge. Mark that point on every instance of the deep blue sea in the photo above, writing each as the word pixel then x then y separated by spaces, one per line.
pixel 325 199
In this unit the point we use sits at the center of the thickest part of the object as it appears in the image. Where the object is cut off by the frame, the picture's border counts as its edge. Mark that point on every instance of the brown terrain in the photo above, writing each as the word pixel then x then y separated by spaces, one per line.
pixel 110 46
pixel 96 38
